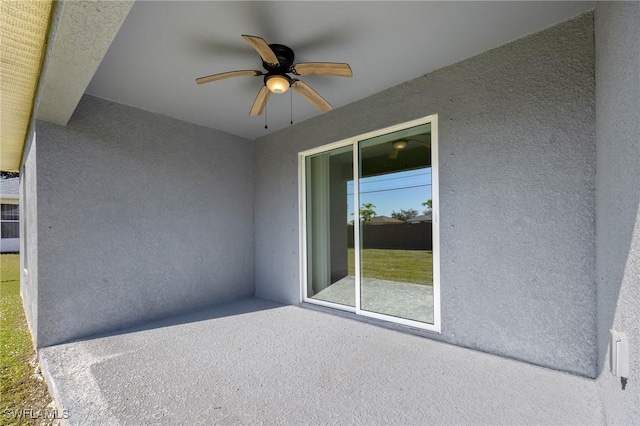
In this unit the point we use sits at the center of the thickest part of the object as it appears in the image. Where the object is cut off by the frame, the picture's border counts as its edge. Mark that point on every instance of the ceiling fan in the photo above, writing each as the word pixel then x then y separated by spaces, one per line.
pixel 277 60
pixel 400 144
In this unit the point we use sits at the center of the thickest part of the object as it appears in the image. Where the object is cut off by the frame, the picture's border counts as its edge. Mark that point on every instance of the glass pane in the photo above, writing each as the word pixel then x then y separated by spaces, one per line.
pixel 9 212
pixel 395 224
pixel 329 234
pixel 10 230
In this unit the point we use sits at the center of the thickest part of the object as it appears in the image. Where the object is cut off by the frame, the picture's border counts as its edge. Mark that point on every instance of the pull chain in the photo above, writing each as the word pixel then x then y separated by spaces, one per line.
pixel 265 117
pixel 291 103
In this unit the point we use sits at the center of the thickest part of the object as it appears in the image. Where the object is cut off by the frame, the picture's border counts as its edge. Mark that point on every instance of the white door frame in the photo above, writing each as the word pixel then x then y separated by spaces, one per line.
pixel 433 120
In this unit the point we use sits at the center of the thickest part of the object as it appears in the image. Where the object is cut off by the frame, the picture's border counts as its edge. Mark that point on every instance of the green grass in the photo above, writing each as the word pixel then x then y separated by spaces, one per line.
pixel 411 266
pixel 19 389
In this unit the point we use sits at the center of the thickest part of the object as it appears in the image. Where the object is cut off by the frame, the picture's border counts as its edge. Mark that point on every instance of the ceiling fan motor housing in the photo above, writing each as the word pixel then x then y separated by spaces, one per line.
pixel 285 58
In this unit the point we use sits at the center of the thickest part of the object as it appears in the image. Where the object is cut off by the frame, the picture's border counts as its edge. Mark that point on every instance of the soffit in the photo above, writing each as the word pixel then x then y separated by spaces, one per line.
pixel 23 28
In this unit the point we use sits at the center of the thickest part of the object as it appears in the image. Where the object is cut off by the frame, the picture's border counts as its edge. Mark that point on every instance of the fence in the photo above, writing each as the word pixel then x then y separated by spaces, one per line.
pixel 402 236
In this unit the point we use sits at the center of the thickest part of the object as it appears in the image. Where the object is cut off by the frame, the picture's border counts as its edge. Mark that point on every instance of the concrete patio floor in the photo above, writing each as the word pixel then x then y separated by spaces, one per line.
pixel 255 361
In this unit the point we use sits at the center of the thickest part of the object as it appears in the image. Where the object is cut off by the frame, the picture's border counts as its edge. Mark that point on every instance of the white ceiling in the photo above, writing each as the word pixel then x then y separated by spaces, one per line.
pixel 163 46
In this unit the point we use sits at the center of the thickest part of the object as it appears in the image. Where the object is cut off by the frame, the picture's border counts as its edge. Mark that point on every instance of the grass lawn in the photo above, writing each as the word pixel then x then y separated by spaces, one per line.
pixel 410 266
pixel 19 388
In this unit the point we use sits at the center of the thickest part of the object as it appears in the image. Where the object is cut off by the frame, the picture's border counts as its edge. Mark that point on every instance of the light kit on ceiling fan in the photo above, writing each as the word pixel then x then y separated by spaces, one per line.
pixel 277 60
pixel 277 83
pixel 400 144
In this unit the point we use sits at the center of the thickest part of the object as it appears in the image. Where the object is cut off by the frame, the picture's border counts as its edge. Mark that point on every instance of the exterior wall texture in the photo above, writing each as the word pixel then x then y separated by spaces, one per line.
pixel 140 216
pixel 618 199
pixel 517 155
pixel 29 240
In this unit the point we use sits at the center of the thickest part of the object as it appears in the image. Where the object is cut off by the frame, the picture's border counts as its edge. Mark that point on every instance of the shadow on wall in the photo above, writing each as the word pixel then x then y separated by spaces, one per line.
pixel 617 178
pixel 237 307
pixel 617 247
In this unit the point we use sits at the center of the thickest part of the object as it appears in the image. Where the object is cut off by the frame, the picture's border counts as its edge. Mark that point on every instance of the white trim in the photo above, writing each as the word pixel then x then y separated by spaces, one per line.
pixel 302 226
pixel 435 222
pixel 435 188
pixel 356 223
pixel 331 305
pixel 325 148
pixel 399 320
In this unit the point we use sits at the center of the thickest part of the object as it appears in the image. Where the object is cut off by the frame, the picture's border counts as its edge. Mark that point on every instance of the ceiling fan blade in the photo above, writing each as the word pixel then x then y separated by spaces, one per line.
pixel 263 49
pixel 426 144
pixel 311 95
pixel 229 74
pixel 260 102
pixel 393 154
pixel 423 139
pixel 322 68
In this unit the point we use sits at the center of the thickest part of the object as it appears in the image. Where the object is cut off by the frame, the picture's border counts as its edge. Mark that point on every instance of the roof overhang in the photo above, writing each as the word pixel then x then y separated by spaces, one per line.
pixel 24 26
pixel 83 36
pixel 50 89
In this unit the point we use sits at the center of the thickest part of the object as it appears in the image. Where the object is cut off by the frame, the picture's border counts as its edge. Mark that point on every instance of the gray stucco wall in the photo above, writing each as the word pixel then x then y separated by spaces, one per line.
pixel 139 216
pixel 618 199
pixel 517 171
pixel 29 233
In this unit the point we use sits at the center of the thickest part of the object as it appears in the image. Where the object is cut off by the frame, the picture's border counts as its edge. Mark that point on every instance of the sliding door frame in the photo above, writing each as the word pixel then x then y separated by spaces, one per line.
pixel 302 204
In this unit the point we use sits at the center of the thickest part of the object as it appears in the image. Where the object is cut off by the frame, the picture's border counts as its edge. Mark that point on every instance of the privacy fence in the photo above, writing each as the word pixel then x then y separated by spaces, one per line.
pixel 399 236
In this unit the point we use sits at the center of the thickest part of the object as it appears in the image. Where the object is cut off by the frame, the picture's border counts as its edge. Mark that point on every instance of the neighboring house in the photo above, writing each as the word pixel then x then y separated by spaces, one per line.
pixel 420 218
pixel 9 216
pixel 133 215
pixel 383 220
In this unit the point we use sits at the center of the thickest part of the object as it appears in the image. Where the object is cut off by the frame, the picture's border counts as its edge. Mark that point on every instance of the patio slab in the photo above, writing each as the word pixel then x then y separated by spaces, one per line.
pixel 256 361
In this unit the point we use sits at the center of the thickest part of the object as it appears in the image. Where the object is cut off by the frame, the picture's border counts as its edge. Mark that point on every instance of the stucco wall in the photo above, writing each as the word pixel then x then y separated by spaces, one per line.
pixel 139 216
pixel 517 173
pixel 29 233
pixel 618 199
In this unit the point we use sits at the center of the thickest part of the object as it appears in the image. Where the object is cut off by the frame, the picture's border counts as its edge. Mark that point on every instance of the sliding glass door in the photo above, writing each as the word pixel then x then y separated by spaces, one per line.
pixel 370 227
pixel 327 231
pixel 396 251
